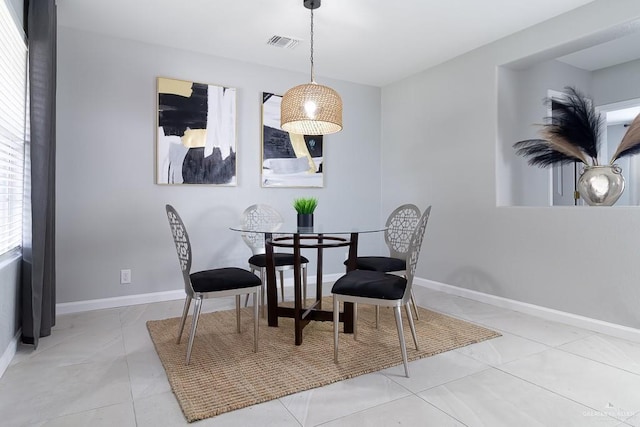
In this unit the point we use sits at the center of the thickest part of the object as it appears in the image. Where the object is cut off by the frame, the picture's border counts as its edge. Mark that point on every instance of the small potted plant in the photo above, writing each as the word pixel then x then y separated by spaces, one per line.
pixel 305 206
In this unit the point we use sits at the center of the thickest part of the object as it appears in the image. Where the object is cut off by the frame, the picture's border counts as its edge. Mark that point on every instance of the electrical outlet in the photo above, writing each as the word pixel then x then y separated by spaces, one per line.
pixel 125 277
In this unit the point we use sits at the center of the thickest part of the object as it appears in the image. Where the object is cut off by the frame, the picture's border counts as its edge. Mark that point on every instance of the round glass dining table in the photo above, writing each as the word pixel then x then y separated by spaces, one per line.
pixel 319 237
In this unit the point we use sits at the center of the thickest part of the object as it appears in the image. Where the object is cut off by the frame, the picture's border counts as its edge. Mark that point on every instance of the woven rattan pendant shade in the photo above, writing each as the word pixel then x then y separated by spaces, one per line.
pixel 311 109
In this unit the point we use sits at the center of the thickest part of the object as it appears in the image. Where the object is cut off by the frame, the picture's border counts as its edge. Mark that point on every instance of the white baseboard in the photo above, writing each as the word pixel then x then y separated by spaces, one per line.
pixel 9 352
pixel 596 325
pixel 123 301
pixel 583 322
pixel 98 304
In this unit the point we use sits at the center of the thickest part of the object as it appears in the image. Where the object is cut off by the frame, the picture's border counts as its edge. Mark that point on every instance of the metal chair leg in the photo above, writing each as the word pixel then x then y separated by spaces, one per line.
pixel 403 347
pixel 256 314
pixel 238 312
pixel 415 307
pixel 246 301
pixel 412 325
pixel 377 316
pixel 336 316
pixel 194 325
pixel 185 312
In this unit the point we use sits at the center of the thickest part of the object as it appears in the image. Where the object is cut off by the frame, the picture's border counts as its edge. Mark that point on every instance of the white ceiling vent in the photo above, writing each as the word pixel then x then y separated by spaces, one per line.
pixel 283 42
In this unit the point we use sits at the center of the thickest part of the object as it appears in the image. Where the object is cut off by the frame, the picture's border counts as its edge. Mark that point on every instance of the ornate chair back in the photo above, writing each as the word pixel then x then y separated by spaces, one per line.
pixel 415 244
pixel 400 225
pixel 259 215
pixel 183 246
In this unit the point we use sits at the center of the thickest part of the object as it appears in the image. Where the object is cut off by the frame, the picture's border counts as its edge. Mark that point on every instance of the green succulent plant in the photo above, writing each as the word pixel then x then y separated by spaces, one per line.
pixel 305 205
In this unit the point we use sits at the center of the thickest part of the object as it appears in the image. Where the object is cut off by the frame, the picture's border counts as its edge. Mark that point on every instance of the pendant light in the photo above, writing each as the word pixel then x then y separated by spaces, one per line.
pixel 311 109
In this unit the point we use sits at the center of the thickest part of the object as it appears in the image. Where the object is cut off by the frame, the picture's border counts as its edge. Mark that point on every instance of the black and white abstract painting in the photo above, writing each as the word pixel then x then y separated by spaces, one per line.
pixel 196 141
pixel 288 160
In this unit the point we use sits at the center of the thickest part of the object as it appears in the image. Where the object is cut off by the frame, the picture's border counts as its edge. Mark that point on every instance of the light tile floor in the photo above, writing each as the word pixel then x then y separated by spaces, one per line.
pixel 99 368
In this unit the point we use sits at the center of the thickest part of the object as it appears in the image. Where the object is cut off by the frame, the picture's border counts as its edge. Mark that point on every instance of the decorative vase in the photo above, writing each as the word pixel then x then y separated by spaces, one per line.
pixel 601 185
pixel 305 220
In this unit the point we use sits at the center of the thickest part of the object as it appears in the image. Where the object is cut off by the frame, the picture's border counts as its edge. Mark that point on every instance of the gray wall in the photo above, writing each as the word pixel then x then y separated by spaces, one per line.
pixel 618 83
pixel 440 138
pixel 521 92
pixel 614 135
pixel 110 214
pixel 526 90
pixel 439 144
pixel 613 85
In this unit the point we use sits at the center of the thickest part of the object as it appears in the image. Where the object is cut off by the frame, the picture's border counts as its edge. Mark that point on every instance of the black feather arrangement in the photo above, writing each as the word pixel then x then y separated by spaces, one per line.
pixel 571 134
pixel 630 143
pixel 543 153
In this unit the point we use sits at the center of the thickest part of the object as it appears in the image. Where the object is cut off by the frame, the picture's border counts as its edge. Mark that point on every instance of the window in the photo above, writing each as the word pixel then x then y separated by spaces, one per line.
pixel 13 99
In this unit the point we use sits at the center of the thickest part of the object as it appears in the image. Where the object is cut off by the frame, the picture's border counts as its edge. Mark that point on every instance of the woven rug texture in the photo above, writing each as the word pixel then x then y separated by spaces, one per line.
pixel 225 374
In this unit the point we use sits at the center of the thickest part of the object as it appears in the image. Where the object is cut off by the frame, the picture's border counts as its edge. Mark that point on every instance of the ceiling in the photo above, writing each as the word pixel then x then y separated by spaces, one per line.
pixel 372 42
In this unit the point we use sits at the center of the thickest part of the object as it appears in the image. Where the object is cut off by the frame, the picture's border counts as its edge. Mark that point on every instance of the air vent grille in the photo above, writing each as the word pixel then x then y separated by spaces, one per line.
pixel 283 42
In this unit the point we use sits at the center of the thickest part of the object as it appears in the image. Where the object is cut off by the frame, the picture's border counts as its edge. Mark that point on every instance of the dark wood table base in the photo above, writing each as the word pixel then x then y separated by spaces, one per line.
pixel 303 315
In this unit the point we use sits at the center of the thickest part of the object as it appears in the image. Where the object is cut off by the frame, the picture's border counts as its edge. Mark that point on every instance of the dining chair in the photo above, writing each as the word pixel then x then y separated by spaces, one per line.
pixel 259 216
pixel 217 282
pixel 400 225
pixel 381 289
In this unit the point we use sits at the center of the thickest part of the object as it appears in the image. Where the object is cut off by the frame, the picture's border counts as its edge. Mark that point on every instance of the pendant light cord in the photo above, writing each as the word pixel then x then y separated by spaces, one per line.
pixel 312 74
pixel 310 108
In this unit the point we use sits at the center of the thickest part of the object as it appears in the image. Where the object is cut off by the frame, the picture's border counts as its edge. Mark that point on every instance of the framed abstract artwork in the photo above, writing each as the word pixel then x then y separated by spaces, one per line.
pixel 288 160
pixel 196 135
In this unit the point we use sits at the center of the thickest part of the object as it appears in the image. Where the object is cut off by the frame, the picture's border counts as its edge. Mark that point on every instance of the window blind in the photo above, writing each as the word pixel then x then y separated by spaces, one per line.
pixel 13 90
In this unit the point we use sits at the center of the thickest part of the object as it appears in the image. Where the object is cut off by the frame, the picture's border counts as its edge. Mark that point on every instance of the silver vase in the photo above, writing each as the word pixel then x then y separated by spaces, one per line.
pixel 601 185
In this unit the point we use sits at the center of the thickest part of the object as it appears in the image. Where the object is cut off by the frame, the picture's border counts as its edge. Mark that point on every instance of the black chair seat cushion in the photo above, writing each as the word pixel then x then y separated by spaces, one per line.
pixel 379 263
pixel 223 279
pixel 371 284
pixel 280 259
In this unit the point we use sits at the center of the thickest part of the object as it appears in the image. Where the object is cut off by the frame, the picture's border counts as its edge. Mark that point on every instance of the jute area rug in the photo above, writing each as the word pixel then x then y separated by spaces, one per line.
pixel 225 374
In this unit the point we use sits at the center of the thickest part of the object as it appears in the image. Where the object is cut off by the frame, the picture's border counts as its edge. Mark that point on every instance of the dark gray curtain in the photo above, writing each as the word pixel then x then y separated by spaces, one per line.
pixel 39 278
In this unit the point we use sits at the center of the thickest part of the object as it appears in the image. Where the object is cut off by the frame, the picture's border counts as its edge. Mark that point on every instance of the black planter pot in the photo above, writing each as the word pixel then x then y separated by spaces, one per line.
pixel 305 220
